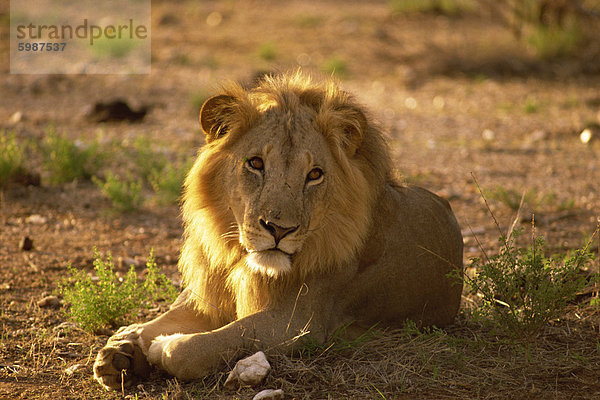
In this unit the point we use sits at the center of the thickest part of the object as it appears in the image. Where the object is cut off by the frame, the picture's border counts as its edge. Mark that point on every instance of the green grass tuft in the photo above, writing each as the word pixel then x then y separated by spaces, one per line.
pixel 114 48
pixel 148 161
pixel 336 66
pixel 11 157
pixel 126 195
pixel 168 183
pixel 441 7
pixel 66 160
pixel 267 51
pixel 555 42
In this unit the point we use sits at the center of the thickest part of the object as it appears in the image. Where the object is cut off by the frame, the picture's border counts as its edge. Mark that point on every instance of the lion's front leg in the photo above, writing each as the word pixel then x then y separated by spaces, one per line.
pixel 192 356
pixel 123 361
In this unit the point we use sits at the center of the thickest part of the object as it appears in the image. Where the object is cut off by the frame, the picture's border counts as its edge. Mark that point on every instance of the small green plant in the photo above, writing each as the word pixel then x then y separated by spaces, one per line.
pixel 555 41
pixel 113 47
pixel 267 51
pixel 108 300
pixel 66 160
pixel 168 182
pixel 147 161
pixel 336 66
pixel 182 59
pixel 522 290
pixel 126 195
pixel 443 7
pixel 11 157
pixel 531 106
pixel 309 21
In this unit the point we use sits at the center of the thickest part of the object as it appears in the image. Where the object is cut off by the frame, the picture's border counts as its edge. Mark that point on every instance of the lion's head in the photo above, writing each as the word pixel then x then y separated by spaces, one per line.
pixel 286 181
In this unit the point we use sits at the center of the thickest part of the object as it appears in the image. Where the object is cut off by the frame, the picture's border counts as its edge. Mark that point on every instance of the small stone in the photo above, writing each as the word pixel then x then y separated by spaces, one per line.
pixel 488 135
pixel 586 136
pixel 127 262
pixel 49 302
pixel 26 244
pixel 15 118
pixel 65 325
pixel 269 394
pixel 74 368
pixel 249 371
pixel 538 135
pixel 36 219
pixel 214 19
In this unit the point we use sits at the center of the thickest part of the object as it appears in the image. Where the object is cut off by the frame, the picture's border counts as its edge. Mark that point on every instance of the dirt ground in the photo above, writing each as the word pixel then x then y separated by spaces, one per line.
pixel 459 98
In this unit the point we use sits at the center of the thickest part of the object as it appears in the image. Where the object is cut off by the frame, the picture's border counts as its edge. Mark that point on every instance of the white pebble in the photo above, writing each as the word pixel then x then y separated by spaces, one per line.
pixel 488 135
pixel 269 394
pixel 586 136
pixel 249 371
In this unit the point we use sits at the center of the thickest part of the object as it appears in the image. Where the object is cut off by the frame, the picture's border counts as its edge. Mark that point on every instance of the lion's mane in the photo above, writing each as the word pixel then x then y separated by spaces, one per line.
pixel 211 262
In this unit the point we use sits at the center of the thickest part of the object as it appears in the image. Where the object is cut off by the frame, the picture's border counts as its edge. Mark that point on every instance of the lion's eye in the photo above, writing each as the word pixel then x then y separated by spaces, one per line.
pixel 256 163
pixel 314 174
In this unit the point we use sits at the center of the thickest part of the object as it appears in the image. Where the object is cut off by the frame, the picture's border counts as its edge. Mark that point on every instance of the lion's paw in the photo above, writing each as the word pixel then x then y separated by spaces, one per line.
pixel 121 362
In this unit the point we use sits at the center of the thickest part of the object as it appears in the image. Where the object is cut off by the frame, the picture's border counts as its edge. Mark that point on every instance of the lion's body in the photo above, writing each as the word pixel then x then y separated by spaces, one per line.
pixel 294 226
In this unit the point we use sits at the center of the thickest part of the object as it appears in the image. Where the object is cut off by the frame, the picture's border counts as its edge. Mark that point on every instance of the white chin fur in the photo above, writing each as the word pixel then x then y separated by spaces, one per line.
pixel 272 263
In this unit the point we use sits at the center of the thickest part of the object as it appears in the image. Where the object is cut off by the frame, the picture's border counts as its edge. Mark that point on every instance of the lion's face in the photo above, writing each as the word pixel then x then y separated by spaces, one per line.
pixel 285 183
pixel 280 177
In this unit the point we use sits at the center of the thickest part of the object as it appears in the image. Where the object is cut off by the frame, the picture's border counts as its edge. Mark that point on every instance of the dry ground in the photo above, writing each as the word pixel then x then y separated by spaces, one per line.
pixel 435 84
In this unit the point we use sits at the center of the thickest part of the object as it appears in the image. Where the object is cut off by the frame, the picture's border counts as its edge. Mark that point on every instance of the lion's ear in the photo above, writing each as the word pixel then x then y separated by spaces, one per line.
pixel 213 116
pixel 354 128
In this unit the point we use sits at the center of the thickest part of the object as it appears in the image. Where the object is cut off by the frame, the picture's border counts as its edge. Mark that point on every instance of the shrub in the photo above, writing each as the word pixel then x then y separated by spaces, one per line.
pixel 11 157
pixel 126 195
pixel 108 300
pixel 521 290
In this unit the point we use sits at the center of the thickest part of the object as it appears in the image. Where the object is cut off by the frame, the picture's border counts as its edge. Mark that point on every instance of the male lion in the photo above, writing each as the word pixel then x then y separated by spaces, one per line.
pixel 293 226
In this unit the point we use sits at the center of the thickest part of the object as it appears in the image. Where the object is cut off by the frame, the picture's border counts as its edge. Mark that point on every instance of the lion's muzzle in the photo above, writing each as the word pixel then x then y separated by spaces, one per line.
pixel 278 232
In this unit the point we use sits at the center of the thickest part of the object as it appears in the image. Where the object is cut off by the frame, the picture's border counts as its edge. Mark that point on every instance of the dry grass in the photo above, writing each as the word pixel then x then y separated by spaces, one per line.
pixel 466 361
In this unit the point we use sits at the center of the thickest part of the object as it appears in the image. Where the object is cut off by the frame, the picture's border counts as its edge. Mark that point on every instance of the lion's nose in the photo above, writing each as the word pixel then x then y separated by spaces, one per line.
pixel 278 232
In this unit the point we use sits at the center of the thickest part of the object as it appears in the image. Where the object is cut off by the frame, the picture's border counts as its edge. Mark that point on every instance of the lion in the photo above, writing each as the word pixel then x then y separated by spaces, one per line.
pixel 293 227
